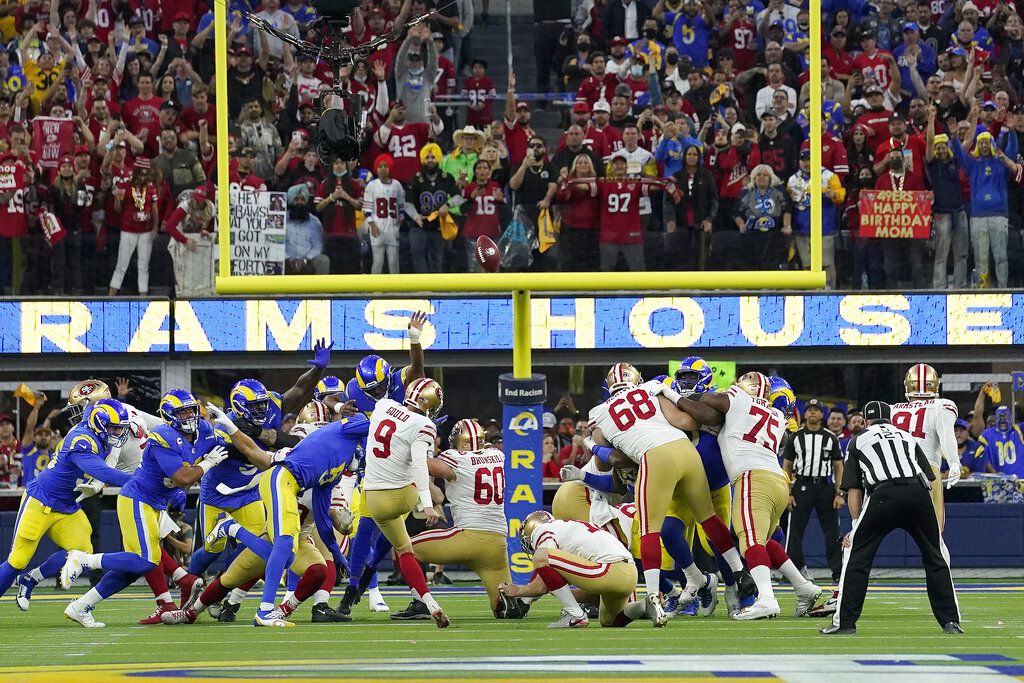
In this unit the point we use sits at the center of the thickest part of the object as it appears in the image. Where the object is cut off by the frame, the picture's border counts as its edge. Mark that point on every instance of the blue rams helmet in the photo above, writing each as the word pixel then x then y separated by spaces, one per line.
pixel 250 400
pixel 605 394
pixel 373 375
pixel 353 392
pixel 180 409
pixel 108 419
pixel 693 375
pixel 663 379
pixel 781 395
pixel 275 416
pixel 327 386
pixel 1004 419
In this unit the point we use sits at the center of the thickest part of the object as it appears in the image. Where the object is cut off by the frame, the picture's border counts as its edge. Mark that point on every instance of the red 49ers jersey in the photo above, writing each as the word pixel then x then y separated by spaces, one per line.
pixel 404 144
pixel 875 67
pixel 12 213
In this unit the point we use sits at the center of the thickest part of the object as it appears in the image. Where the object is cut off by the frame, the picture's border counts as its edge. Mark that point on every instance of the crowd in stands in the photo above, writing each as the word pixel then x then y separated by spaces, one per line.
pixel 683 146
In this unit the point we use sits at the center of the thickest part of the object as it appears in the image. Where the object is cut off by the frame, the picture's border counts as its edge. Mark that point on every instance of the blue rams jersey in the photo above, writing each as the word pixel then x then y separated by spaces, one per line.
pixel 167 450
pixel 235 472
pixel 322 457
pixel 33 462
pixel 1005 450
pixel 711 456
pixel 354 392
pixel 79 454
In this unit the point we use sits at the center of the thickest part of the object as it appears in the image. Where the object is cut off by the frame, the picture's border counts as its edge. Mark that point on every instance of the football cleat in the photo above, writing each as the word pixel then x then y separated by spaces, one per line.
pixel 764 608
pixel 732 599
pixel 440 579
pixel 72 569
pixel 689 610
pixel 228 612
pixel 323 614
pixel 827 608
pixel 672 602
pixel 569 621
pixel 191 588
pixel 440 618
pixel 157 616
pixel 82 616
pixel 806 595
pixel 25 587
pixel 708 596
pixel 220 530
pixel 271 617
pixel 350 598
pixel 511 608
pixel 179 616
pixel 745 584
pixel 833 630
pixel 376 600
pixel 214 610
pixel 655 607
pixel 416 610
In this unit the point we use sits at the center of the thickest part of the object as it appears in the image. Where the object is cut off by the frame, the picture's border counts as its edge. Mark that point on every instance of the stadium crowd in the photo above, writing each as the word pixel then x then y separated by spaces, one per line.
pixel 682 145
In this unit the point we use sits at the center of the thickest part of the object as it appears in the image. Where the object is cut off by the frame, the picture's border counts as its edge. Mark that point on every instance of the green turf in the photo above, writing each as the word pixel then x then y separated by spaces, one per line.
pixel 893 622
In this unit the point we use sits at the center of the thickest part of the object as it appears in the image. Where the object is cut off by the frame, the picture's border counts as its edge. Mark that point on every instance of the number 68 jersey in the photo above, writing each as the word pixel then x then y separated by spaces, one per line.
pixel 477 496
pixel 752 434
pixel 633 422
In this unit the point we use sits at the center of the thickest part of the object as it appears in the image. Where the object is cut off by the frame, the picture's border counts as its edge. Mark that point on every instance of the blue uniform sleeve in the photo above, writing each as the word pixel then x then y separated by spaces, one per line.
pixel 600 482
pixel 322 518
pixel 178 499
pixel 93 465
pixel 168 461
pixel 356 426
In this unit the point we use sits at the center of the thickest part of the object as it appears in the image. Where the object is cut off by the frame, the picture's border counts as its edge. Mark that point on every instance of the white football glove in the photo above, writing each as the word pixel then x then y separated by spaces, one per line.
pixel 216 456
pixel 88 489
pixel 221 419
pixel 570 473
pixel 953 476
pixel 589 443
pixel 279 455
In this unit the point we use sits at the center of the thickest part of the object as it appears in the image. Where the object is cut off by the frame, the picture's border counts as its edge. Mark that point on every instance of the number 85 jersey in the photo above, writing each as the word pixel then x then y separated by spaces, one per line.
pixel 633 422
pixel 752 434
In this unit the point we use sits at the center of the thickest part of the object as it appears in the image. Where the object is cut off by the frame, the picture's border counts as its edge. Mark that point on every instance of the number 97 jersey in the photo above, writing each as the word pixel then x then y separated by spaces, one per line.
pixel 751 435
pixel 633 422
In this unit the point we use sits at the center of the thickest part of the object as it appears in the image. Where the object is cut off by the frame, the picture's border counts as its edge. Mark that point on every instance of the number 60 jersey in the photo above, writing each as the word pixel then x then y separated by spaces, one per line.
pixel 751 435
pixel 633 422
pixel 477 496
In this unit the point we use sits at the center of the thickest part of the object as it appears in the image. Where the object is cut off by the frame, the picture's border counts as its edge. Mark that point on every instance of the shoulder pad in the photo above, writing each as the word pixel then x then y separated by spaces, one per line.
pixel 86 443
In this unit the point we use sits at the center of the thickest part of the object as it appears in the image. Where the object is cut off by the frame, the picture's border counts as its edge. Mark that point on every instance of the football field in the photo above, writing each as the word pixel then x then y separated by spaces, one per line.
pixel 897 640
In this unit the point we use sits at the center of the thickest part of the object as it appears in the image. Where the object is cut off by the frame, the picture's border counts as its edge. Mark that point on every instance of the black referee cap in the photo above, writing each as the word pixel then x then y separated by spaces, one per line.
pixel 877 410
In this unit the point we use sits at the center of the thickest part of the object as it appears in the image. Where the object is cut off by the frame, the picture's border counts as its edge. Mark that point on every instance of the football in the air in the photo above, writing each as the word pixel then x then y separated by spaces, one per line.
pixel 487 254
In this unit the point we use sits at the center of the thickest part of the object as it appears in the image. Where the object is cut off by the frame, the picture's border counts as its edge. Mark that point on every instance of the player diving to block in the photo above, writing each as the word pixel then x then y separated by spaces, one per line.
pixel 645 426
pixel 568 552
pixel 751 435
pixel 50 504
pixel 177 455
pixel 317 464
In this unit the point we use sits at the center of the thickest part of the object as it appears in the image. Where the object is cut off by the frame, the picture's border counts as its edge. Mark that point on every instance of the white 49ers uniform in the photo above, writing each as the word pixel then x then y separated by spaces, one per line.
pixel 396 479
pixel 590 559
pixel 930 422
pixel 750 441
pixel 478 538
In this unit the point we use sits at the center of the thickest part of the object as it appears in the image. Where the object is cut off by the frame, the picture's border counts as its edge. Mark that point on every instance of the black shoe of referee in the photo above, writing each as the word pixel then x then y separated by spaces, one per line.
pixel 952 628
pixel 833 630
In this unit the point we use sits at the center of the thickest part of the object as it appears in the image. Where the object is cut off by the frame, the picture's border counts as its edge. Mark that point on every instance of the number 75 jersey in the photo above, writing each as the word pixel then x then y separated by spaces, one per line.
pixel 752 434
pixel 633 422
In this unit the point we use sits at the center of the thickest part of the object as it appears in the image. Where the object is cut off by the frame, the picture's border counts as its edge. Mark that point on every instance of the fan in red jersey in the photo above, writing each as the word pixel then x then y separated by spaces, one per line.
pixel 404 140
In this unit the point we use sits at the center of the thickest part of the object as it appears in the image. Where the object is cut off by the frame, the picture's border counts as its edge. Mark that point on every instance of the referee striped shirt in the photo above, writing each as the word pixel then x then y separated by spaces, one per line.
pixel 883 453
pixel 812 452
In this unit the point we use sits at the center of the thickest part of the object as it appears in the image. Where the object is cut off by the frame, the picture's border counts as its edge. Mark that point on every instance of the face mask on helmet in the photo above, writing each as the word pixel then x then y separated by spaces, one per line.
pixel 258 410
pixel 686 381
pixel 117 435
pixel 188 418
pixel 378 390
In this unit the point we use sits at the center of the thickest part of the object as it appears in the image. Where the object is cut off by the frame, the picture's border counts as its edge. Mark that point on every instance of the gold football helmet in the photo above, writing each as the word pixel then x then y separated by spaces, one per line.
pixel 622 376
pixel 424 395
pixel 921 381
pixel 314 413
pixel 84 394
pixel 755 384
pixel 530 524
pixel 467 435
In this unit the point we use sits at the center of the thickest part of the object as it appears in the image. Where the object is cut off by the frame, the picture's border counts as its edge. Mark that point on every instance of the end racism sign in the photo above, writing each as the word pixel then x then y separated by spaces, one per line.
pixel 895 214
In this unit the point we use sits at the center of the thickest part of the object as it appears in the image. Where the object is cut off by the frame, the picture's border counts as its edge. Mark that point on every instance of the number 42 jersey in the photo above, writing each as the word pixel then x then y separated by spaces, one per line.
pixel 633 422
pixel 751 435
pixel 477 496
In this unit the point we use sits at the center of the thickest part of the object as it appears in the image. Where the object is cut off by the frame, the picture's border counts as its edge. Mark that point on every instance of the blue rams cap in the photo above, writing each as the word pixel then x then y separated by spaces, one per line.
pixel 960 424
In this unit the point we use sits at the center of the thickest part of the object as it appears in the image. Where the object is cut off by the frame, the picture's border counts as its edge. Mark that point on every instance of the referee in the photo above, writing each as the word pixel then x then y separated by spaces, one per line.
pixel 814 456
pixel 888 481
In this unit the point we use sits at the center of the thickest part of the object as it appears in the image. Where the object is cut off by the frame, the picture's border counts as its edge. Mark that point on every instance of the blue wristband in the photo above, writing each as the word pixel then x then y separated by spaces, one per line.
pixel 600 482
pixel 603 452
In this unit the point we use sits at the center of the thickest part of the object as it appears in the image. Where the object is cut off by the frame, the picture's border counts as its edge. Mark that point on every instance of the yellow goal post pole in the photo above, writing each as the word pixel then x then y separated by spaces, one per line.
pixel 814 116
pixel 220 51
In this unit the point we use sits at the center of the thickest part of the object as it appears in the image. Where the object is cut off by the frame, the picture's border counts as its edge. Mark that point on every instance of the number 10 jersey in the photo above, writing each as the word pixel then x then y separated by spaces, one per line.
pixel 633 422
pixel 752 434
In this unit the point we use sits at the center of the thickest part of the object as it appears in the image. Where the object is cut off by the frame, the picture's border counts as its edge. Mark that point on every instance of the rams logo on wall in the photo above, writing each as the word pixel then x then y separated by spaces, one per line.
pixel 523 423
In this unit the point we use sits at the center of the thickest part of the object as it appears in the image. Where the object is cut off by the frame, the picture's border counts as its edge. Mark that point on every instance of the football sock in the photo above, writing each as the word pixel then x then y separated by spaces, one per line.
pixel 728 578
pixel 90 599
pixel 360 549
pixel 293 580
pixel 673 536
pixel 158 583
pixel 721 540
pixel 792 574
pixel 201 560
pixel 7 576
pixel 762 576
pixel 124 561
pixel 178 574
pixel 212 594
pixel 413 574
pixel 776 553
pixel 168 564
pixel 330 576
pixel 652 579
pixel 558 587
pixel 280 557
pixel 321 597
pixel 310 582
pixel 51 566
pixel 664 583
pixel 236 596
pixel 634 610
pixel 694 576
pixel 111 583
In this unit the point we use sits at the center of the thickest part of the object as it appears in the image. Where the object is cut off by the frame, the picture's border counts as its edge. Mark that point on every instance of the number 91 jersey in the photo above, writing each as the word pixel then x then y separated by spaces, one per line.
pixel 633 422
pixel 751 435
pixel 477 496
pixel 395 434
pixel 930 422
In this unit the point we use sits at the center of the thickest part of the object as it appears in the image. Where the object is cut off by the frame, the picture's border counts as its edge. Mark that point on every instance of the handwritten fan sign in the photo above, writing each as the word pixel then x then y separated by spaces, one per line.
pixel 896 214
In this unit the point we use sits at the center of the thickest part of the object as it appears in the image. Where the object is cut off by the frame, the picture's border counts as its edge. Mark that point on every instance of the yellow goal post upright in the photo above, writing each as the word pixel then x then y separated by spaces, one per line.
pixel 519 285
